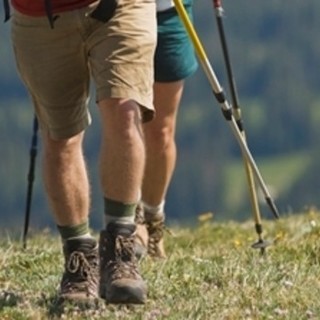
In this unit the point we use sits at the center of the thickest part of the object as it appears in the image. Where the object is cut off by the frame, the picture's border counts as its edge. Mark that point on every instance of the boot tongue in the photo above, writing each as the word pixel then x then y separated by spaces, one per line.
pixel 82 245
pixel 121 229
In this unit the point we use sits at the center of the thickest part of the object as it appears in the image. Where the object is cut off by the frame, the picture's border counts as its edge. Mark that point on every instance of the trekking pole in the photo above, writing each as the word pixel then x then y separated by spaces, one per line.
pixel 31 175
pixel 6 7
pixel 225 106
pixel 260 244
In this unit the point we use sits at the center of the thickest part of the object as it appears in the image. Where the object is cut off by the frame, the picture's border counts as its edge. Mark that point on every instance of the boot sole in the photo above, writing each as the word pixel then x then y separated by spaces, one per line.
pixel 124 295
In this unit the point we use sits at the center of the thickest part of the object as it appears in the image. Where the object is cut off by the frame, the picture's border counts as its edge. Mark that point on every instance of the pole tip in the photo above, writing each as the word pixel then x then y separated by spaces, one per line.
pixel 273 207
pixel 262 245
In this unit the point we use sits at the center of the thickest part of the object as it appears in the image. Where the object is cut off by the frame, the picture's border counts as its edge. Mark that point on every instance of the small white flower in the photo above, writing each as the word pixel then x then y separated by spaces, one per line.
pixel 313 223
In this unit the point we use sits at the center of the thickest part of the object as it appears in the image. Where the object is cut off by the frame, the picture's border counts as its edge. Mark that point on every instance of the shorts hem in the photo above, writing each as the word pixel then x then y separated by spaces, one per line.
pixel 146 103
pixel 177 77
pixel 70 131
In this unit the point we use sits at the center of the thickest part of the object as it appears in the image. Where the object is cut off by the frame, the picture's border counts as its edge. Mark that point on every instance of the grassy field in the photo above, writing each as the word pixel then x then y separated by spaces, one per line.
pixel 211 273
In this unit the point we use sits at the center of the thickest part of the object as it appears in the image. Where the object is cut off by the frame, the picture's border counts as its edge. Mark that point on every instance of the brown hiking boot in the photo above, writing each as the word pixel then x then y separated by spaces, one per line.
pixel 142 237
pixel 155 226
pixel 120 280
pixel 80 278
pixel 149 238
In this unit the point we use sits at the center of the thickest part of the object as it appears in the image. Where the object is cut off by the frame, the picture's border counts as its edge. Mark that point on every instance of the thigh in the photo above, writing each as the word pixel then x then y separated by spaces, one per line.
pixel 175 58
pixel 53 65
pixel 121 54
pixel 167 96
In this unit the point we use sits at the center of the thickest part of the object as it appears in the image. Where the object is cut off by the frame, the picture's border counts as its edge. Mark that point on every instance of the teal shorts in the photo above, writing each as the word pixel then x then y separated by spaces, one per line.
pixel 175 57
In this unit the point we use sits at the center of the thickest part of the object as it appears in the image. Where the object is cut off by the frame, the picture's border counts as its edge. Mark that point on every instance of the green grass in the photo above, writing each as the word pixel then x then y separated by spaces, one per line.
pixel 211 273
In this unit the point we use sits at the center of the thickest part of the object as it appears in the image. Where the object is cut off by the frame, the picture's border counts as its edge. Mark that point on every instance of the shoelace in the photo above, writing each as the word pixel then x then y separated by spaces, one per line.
pixel 79 271
pixel 124 264
pixel 156 230
pixel 139 217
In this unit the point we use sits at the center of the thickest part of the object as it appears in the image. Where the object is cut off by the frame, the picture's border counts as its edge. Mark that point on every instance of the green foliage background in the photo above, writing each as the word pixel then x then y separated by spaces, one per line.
pixel 275 56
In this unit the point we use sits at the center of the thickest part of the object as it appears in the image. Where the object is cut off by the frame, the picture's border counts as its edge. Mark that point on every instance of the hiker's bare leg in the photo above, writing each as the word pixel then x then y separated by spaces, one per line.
pixel 122 154
pixel 66 179
pixel 122 160
pixel 160 142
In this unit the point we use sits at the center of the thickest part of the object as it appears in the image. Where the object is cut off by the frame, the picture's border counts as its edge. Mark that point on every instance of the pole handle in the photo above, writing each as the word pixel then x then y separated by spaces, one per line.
pixel 217 4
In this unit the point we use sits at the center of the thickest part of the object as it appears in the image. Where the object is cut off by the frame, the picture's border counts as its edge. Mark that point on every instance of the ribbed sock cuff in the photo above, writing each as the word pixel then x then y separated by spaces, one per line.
pixel 75 231
pixel 116 211
pixel 154 209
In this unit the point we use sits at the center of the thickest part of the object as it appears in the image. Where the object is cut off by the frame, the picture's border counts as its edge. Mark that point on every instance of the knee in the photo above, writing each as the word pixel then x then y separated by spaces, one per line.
pixel 60 147
pixel 159 138
pixel 121 120
pixel 119 114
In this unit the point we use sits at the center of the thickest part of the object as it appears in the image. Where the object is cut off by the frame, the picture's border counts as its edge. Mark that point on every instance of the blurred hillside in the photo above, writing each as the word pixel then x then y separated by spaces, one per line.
pixel 275 56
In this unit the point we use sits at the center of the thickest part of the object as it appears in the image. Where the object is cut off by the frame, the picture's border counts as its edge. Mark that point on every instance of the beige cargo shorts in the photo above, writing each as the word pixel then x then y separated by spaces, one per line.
pixel 57 65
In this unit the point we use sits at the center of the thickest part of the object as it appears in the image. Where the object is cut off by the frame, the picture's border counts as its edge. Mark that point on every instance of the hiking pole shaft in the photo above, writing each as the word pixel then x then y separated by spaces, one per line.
pixel 31 175
pixel 219 94
pixel 246 152
pixel 237 114
pixel 6 7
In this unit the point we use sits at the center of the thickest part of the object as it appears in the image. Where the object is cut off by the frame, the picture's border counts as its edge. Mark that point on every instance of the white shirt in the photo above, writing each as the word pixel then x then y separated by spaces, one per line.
pixel 164 4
